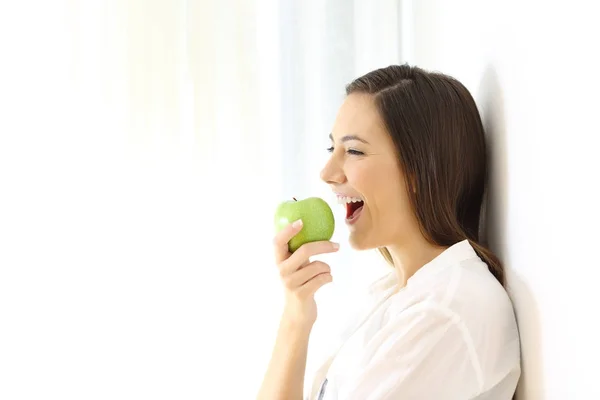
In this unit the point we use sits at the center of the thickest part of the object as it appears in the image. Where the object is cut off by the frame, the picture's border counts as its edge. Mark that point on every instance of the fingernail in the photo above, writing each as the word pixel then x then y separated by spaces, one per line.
pixel 297 224
pixel 336 245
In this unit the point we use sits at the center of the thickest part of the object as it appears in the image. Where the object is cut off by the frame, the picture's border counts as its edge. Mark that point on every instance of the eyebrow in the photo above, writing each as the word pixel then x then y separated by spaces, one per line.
pixel 347 138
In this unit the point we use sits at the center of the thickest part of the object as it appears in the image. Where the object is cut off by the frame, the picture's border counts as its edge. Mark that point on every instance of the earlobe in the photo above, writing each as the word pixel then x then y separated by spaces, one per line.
pixel 413 184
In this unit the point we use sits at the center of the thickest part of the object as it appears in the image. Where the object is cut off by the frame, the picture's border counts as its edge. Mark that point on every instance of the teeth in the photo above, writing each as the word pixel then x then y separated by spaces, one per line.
pixel 344 199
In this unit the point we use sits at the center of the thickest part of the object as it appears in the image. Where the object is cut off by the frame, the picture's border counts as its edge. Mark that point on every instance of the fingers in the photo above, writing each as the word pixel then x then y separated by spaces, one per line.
pixel 304 275
pixel 283 237
pixel 310 287
pixel 299 275
pixel 300 257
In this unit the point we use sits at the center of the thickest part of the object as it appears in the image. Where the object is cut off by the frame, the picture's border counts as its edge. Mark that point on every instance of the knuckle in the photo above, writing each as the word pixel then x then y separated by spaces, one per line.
pixel 323 247
pixel 278 237
pixel 323 280
pixel 287 281
pixel 315 267
pixel 304 251
pixel 322 267
pixel 318 247
pixel 282 237
pixel 313 248
pixel 314 271
pixel 284 267
pixel 325 244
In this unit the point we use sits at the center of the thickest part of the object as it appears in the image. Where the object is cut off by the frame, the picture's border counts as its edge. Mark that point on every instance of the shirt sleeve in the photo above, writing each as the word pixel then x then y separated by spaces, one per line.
pixel 423 353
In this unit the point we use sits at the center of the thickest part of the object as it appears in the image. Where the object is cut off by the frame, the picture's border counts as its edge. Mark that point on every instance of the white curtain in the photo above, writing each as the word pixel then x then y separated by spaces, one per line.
pixel 143 148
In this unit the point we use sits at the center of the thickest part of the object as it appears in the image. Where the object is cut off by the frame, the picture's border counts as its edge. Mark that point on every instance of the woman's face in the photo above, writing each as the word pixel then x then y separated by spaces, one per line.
pixel 364 172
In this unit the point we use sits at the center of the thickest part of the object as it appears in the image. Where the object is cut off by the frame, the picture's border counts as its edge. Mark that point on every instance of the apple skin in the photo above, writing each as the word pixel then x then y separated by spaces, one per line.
pixel 317 218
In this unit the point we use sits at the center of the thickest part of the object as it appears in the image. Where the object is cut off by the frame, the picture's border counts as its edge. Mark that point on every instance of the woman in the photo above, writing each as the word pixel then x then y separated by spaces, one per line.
pixel 408 158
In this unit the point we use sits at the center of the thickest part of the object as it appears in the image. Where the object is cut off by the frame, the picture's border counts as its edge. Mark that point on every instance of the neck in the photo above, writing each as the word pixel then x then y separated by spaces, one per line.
pixel 410 257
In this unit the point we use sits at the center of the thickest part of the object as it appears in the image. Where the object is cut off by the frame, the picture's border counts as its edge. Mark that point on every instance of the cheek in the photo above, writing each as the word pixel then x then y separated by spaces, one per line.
pixel 391 202
pixel 359 175
pixel 391 198
pixel 383 187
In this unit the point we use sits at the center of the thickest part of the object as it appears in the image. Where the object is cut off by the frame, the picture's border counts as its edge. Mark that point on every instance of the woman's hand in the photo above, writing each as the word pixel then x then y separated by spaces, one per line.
pixel 301 277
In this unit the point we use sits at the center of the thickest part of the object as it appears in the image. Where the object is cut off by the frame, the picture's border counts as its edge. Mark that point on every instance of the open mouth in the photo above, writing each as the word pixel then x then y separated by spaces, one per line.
pixel 353 209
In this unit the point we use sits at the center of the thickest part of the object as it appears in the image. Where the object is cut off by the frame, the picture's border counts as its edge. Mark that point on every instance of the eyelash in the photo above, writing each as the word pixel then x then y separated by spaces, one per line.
pixel 349 151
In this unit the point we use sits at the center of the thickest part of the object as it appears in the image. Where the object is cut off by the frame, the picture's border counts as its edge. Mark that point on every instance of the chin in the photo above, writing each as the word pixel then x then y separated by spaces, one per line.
pixel 358 243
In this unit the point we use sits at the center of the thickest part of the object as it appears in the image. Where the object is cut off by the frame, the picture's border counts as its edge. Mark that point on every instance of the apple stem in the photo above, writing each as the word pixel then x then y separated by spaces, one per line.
pixel 294 199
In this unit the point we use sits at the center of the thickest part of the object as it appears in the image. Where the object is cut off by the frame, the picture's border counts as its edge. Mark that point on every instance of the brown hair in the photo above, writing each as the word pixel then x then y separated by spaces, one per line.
pixel 437 130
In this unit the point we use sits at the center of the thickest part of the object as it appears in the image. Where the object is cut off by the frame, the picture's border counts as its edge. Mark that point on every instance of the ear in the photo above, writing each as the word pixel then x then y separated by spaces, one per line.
pixel 413 184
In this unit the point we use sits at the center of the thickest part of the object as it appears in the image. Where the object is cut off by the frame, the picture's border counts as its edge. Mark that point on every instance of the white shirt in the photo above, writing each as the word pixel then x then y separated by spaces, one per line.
pixel 450 333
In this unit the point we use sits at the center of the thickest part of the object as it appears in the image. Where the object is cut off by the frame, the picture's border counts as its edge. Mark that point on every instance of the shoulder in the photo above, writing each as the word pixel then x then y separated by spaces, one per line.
pixel 465 313
pixel 468 292
pixel 466 288
pixel 483 313
pixel 478 297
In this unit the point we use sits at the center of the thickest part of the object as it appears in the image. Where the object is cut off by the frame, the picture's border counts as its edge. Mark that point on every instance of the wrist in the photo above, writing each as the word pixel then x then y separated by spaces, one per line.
pixel 292 322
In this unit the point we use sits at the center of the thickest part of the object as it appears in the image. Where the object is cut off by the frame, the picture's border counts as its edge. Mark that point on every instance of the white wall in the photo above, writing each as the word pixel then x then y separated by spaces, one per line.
pixel 135 253
pixel 532 66
pixel 143 149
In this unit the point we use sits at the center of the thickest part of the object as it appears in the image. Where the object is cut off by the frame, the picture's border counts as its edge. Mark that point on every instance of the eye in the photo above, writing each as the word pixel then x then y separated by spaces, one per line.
pixel 355 152
pixel 349 151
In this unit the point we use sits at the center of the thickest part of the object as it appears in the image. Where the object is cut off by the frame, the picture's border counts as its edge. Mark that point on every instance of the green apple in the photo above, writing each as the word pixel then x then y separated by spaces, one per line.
pixel 317 219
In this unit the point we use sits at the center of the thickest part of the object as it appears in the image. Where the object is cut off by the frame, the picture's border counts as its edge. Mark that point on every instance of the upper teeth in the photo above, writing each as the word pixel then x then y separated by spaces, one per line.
pixel 344 199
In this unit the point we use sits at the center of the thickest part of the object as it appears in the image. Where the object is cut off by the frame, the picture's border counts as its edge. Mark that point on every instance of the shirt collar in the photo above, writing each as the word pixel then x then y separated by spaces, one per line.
pixel 453 255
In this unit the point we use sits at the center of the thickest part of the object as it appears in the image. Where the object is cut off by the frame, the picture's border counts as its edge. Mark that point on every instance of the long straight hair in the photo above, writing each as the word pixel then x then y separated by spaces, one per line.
pixel 440 141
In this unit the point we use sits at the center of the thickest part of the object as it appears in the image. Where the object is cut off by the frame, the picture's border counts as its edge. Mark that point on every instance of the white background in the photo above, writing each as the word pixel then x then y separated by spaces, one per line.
pixel 145 145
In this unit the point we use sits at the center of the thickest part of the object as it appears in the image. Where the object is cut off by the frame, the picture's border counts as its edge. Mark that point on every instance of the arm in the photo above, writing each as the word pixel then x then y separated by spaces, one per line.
pixel 301 278
pixel 284 378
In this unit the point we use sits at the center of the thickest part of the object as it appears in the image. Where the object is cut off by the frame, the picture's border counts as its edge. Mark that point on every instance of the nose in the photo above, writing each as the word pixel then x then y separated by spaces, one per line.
pixel 332 173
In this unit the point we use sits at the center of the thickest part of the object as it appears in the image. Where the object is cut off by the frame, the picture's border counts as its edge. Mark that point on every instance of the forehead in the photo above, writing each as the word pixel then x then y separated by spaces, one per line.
pixel 358 115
